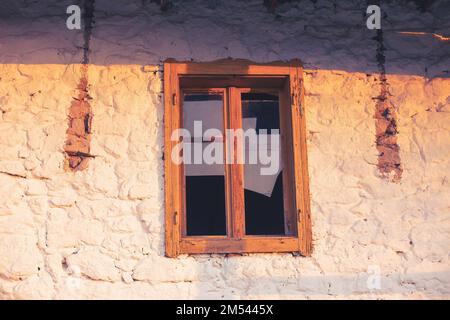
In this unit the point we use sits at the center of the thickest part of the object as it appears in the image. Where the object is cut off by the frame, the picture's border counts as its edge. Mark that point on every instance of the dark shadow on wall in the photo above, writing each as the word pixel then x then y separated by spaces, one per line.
pixel 328 35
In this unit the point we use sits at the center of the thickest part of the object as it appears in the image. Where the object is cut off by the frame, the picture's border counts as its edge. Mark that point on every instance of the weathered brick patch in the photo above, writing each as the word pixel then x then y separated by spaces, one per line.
pixel 389 164
pixel 77 147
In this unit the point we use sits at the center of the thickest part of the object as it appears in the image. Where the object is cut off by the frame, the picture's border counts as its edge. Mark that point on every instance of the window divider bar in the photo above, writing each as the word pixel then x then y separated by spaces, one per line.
pixel 237 167
pixel 227 167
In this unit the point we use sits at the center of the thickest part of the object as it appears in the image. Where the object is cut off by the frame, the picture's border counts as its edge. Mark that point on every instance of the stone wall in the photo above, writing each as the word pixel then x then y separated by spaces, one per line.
pixel 99 232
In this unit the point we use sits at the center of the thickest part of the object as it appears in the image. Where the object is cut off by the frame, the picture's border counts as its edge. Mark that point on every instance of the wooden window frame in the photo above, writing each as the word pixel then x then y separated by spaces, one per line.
pixel 236 75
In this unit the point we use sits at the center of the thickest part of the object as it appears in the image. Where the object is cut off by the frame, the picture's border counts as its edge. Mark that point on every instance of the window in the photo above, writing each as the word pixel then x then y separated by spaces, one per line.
pixel 235 158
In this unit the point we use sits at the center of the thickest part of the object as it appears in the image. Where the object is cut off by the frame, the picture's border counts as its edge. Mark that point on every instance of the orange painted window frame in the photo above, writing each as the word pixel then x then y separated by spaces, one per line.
pixel 231 74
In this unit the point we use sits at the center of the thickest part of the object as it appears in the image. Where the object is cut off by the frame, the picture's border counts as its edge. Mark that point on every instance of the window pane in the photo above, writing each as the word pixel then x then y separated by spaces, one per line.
pixel 263 185
pixel 203 165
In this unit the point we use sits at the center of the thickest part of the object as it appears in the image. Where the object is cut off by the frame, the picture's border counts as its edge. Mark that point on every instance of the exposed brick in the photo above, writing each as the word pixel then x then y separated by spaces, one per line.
pixel 77 146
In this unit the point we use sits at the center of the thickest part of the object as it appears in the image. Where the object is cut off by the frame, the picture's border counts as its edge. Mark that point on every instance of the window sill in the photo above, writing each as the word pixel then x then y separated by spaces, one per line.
pixel 249 244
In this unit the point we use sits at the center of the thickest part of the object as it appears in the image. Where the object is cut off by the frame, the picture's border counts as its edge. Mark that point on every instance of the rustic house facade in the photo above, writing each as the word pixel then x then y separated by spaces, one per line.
pixel 88 206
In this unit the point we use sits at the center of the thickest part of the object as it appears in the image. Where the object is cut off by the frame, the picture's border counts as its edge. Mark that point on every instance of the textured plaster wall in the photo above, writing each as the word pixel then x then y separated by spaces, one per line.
pixel 98 232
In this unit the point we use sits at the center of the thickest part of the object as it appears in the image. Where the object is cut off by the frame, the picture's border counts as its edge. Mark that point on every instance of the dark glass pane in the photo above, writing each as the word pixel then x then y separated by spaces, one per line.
pixel 263 214
pixel 263 107
pixel 205 205
pixel 204 181
pixel 263 189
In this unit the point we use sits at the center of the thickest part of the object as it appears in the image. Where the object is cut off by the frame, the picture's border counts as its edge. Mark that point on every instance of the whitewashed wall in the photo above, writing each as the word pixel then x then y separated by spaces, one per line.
pixel 98 233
